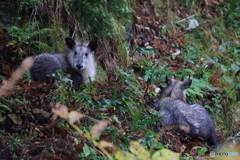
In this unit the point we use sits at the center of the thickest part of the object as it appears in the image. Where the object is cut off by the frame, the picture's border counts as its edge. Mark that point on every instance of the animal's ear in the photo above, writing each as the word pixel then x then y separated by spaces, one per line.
pixel 70 42
pixel 93 45
pixel 168 81
pixel 186 84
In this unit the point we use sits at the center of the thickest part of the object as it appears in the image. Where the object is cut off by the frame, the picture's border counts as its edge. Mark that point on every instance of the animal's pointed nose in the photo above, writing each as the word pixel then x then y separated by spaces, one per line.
pixel 79 66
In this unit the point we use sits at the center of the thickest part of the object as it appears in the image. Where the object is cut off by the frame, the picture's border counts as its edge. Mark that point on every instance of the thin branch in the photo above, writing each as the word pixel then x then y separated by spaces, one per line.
pixel 185 18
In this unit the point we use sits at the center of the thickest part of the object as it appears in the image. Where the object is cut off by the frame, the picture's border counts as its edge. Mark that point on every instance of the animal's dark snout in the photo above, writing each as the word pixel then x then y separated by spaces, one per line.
pixel 79 66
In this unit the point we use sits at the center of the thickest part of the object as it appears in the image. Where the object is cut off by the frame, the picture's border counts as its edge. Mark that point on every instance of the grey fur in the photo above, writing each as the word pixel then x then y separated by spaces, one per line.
pixel 174 110
pixel 78 61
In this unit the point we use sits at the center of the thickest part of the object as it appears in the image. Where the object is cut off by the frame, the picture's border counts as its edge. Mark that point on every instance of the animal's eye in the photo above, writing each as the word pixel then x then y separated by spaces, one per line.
pixel 75 53
pixel 86 54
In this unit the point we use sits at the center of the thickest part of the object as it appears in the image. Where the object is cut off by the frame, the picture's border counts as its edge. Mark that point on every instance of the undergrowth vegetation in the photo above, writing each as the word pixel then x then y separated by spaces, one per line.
pixel 141 42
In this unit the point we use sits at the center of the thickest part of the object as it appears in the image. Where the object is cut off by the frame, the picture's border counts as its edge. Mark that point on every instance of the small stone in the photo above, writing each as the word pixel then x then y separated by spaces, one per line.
pixel 40 114
pixel 16 119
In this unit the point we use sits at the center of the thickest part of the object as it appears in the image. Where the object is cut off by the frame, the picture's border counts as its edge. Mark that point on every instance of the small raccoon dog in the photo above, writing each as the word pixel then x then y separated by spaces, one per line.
pixel 174 110
pixel 78 61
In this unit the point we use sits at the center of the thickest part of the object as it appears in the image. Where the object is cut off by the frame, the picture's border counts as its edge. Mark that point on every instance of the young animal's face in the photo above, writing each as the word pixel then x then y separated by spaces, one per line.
pixel 175 89
pixel 80 57
pixel 80 54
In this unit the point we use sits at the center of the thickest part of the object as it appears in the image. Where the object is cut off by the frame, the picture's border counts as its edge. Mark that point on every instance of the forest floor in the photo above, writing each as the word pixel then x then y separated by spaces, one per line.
pixel 31 131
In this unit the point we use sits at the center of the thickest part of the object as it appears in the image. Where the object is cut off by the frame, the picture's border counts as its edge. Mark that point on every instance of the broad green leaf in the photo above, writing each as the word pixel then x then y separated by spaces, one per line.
pixel 137 116
pixel 202 150
pixel 106 102
pixel 224 68
pixel 209 108
pixel 211 59
pixel 86 150
pixel 235 68
pixel 123 140
pixel 228 79
pixel 130 101
pixel 148 131
pixel 115 118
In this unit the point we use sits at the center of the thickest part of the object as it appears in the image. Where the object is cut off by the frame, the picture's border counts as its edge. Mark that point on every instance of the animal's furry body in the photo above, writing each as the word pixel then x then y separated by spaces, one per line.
pixel 175 111
pixel 78 61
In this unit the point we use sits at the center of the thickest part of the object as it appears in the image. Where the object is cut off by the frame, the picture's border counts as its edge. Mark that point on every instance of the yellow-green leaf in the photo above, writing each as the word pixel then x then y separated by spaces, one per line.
pixel 165 154
pixel 139 151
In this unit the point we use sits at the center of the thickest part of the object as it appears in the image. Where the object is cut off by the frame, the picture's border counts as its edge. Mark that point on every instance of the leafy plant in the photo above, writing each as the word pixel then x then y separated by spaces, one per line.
pixel 188 156
pixel 137 151
pixel 202 150
pixel 164 30
pixel 27 3
pixel 144 50
pixel 95 16
pixel 26 35
pixel 12 143
pixel 131 81
pixel 3 106
pixel 198 88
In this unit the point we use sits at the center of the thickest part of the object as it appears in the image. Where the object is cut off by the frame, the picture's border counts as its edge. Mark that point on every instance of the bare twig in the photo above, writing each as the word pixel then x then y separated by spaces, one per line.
pixel 185 18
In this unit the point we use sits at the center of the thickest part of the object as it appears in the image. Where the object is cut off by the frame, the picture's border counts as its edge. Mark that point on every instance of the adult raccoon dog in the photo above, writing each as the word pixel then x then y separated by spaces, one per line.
pixel 78 61
pixel 174 110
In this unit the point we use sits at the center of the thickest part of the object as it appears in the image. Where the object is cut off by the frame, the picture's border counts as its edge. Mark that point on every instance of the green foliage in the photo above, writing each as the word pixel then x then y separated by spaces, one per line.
pixel 235 137
pixel 151 72
pixel 198 88
pixel 27 77
pixel 208 49
pixel 214 57
pixel 232 14
pixel 137 152
pixel 63 82
pixel 90 153
pixel 4 107
pixel 138 123
pixel 164 30
pixel 187 156
pixel 202 150
pixel 27 35
pixel 25 4
pixel 12 142
pixel 217 111
pixel 144 50
pixel 230 77
pixel 129 78
pixel 67 95
pixel 95 16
